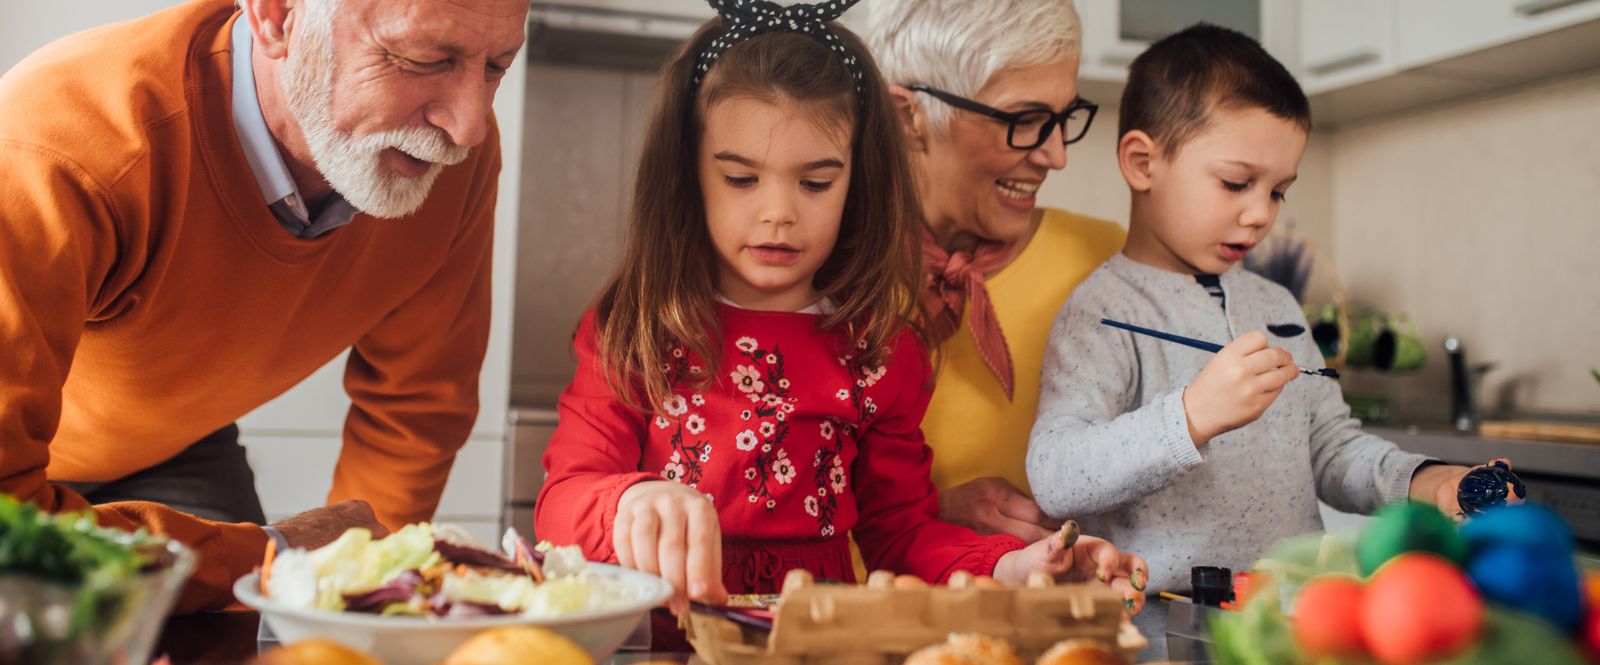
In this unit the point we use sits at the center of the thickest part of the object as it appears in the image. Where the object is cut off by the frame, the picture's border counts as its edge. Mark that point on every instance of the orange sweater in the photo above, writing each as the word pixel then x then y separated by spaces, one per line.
pixel 148 297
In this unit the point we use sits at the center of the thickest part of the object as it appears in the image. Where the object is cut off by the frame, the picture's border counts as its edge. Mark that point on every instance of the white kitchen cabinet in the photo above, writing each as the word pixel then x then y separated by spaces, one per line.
pixel 1117 31
pixel 1428 31
pixel 1343 42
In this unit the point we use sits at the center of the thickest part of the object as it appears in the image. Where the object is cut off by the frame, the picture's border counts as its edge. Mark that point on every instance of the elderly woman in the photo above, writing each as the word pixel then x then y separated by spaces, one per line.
pixel 988 96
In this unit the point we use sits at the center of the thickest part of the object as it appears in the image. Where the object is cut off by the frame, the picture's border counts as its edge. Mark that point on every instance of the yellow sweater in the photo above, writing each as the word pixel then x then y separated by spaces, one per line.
pixel 973 430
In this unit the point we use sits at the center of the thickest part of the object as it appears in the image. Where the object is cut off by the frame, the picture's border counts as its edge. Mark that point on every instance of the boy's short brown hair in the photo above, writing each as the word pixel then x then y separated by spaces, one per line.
pixel 1175 85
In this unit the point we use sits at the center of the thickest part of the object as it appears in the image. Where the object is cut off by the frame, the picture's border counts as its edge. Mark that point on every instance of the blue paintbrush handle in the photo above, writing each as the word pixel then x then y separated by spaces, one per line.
pixel 1202 344
pixel 1186 341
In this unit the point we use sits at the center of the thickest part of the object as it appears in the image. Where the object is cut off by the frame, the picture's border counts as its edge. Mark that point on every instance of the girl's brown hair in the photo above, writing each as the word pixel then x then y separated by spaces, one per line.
pixel 662 296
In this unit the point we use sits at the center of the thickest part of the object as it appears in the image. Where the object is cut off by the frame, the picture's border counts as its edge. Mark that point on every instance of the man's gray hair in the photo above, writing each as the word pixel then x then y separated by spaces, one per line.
pixel 959 45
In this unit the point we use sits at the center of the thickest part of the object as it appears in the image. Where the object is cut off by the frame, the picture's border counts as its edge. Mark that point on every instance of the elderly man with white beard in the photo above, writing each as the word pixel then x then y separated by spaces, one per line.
pixel 201 207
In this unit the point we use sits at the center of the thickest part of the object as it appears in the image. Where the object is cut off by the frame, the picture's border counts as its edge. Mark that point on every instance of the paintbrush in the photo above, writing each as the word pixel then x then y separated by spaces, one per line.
pixel 1204 345
pixel 757 619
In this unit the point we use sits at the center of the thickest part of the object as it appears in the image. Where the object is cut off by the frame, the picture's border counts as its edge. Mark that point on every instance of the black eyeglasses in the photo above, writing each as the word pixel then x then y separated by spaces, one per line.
pixel 1029 129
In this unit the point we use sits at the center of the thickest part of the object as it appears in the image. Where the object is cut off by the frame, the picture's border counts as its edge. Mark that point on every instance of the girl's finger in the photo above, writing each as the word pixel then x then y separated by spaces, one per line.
pixel 1136 569
pixel 671 548
pixel 646 531
pixel 1132 599
pixel 622 539
pixel 705 557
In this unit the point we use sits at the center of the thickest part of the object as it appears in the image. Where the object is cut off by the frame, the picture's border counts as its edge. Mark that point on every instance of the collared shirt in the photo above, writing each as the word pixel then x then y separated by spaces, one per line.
pixel 266 163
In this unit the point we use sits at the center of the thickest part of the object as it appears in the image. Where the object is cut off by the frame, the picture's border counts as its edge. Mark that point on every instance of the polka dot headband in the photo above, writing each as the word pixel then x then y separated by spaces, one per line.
pixel 748 18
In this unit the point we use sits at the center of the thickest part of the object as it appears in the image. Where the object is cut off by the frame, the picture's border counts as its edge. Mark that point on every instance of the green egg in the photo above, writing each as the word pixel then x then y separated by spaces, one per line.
pixel 1408 527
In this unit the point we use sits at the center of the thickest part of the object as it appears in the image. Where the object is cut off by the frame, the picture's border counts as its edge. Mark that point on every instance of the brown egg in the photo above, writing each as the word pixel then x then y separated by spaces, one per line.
pixel 966 649
pixel 1081 652
pixel 909 582
pixel 316 651
pixel 520 645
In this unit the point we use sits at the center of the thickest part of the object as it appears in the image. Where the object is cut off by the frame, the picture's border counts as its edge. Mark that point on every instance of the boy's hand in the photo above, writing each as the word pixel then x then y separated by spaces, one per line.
pixel 1237 386
pixel 1089 558
pixel 666 529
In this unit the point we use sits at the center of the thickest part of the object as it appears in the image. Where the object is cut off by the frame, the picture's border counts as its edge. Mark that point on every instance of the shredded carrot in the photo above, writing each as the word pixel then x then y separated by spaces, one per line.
pixel 266 564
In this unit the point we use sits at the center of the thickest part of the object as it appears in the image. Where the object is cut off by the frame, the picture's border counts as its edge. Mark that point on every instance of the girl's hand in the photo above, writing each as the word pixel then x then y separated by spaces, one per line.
pixel 666 529
pixel 1236 386
pixel 1087 558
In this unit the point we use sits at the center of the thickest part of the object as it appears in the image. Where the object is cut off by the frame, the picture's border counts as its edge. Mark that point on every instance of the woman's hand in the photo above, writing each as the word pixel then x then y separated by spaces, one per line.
pixel 1087 558
pixel 993 505
pixel 666 529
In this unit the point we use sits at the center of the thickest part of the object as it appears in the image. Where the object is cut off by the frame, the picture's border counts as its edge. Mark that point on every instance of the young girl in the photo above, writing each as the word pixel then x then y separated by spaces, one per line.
pixel 750 383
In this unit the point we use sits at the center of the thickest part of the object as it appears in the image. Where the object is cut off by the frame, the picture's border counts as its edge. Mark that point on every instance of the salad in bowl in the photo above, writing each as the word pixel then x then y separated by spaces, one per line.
pixel 417 593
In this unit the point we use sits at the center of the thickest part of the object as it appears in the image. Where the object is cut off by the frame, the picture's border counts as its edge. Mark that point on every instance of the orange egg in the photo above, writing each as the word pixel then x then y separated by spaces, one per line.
pixel 1591 633
pixel 1591 582
pixel 1419 607
pixel 1327 617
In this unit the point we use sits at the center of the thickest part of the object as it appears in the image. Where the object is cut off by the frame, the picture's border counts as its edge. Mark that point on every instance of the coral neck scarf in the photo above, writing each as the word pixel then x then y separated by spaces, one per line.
pixel 956 278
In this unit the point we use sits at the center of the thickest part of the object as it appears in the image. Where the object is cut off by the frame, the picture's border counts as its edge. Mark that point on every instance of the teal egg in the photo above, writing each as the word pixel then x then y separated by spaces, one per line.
pixel 1408 527
pixel 1532 580
pixel 1525 524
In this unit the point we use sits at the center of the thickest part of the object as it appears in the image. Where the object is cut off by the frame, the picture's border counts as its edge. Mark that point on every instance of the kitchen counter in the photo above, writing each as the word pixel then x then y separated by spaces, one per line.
pixel 1573 460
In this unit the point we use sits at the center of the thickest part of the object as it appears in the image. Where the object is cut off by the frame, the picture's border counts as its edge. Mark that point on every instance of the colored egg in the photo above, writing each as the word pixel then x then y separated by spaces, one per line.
pixel 1408 527
pixel 1591 633
pixel 1327 617
pixel 1535 581
pixel 1526 524
pixel 1417 608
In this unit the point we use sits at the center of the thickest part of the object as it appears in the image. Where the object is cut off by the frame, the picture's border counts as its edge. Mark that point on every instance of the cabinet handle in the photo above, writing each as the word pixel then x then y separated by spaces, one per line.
pixel 1353 59
pixel 1537 7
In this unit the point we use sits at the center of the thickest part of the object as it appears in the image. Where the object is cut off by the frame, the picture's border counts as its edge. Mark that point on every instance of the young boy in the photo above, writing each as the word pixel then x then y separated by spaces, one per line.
pixel 1187 457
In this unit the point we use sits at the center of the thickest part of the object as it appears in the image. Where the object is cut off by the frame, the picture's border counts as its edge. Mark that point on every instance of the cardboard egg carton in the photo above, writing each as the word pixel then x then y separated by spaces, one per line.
pixel 880 623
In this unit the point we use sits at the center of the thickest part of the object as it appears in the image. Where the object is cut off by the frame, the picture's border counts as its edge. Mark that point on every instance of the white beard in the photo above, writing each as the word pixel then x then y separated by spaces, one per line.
pixel 350 163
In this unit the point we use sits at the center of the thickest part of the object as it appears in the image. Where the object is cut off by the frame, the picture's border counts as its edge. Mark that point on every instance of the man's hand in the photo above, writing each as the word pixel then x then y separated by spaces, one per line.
pixel 1236 386
pixel 317 527
pixel 993 505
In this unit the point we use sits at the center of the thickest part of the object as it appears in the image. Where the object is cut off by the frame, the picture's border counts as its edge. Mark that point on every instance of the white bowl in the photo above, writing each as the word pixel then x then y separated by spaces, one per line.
pixel 403 640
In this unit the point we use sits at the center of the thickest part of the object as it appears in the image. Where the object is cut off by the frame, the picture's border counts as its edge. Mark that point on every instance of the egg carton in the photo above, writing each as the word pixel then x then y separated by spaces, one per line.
pixel 881 622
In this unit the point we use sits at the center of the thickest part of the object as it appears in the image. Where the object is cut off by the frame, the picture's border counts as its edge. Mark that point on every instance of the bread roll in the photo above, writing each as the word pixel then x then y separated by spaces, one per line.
pixel 1081 652
pixel 966 649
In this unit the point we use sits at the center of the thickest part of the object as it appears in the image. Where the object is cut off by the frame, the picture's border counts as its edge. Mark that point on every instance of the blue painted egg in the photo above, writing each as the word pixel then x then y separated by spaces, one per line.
pixel 1535 581
pixel 1526 524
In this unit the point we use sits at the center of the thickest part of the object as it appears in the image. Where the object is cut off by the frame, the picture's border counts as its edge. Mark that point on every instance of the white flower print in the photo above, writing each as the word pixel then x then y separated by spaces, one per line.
pixel 753 498
pixel 698 400
pixel 861 383
pixel 662 422
pixel 861 343
pixel 783 471
pixel 695 424
pixel 750 474
pixel 772 400
pixel 748 379
pixel 871 407
pixel 780 415
pixel 836 479
pixel 874 375
pixel 822 491
pixel 677 353
pixel 766 447
pixel 705 457
pixel 675 405
pixel 746 441
pixel 788 408
pixel 842 394
pixel 783 383
pixel 827 530
pixel 744 415
pixel 754 397
pixel 771 503
pixel 772 359
pixel 746 344
pixel 827 430
pixel 811 506
pixel 695 370
pixel 673 472
pixel 768 429
pixel 676 457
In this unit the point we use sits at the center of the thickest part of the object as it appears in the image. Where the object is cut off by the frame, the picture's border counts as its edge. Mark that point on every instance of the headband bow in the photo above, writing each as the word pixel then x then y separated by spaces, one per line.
pixel 748 18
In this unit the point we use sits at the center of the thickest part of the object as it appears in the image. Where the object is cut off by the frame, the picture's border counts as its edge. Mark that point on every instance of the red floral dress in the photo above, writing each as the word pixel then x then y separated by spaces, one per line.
pixel 795 443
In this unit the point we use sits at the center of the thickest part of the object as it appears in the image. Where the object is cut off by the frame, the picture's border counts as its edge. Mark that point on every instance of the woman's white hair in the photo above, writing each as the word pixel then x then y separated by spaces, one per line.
pixel 958 45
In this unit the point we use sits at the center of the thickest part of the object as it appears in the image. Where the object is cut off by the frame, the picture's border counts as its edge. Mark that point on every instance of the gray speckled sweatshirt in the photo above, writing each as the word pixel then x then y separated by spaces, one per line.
pixel 1111 444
